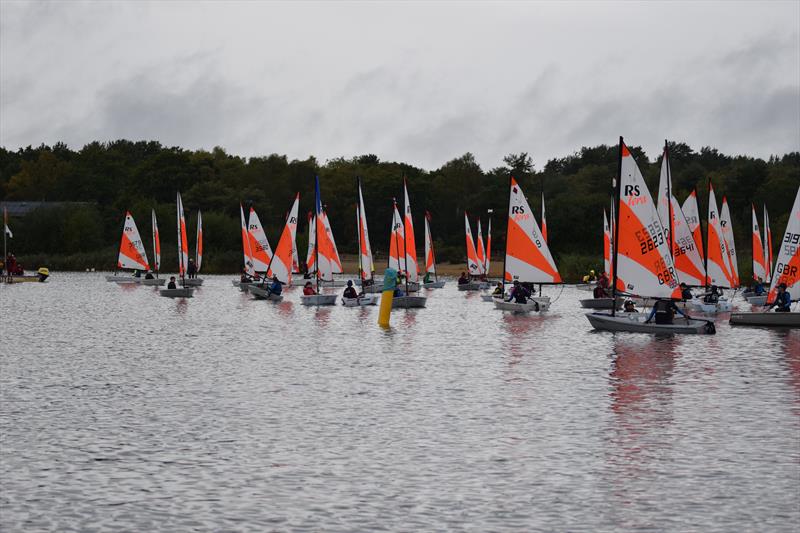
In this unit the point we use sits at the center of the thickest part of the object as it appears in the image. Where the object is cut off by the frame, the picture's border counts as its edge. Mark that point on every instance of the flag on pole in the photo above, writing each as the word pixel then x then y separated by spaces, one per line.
pixel 5 224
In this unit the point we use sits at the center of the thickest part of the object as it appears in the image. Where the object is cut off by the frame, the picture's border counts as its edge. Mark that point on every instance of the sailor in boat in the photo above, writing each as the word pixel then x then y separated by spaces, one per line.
pixel 713 296
pixel 783 300
pixel 519 293
pixel 590 277
pixel 664 312
pixel 427 278
pixel 137 273
pixel 463 279
pixel 686 292
pixel 191 269
pixel 498 291
pixel 308 289
pixel 628 307
pixel 276 288
pixel 601 290
pixel 758 288
pixel 171 284
pixel 149 275
pixel 350 291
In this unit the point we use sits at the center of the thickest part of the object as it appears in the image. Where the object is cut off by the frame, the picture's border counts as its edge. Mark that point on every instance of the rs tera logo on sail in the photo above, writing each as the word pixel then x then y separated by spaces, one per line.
pixel 633 194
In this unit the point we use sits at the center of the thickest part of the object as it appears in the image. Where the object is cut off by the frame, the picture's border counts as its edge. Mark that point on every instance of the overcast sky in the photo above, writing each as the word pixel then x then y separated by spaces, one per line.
pixel 417 82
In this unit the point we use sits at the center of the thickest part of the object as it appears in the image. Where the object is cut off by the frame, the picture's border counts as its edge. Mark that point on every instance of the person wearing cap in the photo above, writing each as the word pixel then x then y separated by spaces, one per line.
pixel 149 275
pixel 350 291
pixel 686 292
pixel 276 288
pixel 629 307
pixel 783 300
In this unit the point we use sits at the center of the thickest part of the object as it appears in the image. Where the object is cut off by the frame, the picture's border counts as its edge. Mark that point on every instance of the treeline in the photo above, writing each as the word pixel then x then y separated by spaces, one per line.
pixel 137 176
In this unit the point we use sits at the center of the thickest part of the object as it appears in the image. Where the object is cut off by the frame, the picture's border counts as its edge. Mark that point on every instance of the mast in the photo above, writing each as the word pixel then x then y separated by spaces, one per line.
pixel 405 237
pixel 5 252
pixel 615 216
pixel 669 202
pixel 358 228
pixel 708 228
pixel 318 212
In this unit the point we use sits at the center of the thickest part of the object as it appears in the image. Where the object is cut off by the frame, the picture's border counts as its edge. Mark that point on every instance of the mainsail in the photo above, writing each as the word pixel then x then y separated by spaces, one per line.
pixel 259 245
pixel 412 268
pixel 199 242
pixel 479 249
pixel 767 246
pixel 544 221
pixel 692 214
pixel 325 251
pixel 643 255
pixel 396 241
pixel 156 244
pixel 528 257
pixel 366 266
pixel 787 267
pixel 488 261
pixel 607 251
pixel 248 253
pixel 336 262
pixel 311 263
pixel 685 252
pixel 281 266
pixel 183 242
pixel 717 272
pixel 759 265
pixel 430 258
pixel 131 248
pixel 475 268
pixel 727 234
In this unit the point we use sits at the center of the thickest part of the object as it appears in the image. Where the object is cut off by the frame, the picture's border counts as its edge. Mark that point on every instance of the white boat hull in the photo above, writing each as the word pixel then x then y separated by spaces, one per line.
pixel 472 286
pixel 490 297
pixel 757 300
pixel 181 292
pixel 261 293
pixel 533 305
pixel 773 320
pixel 193 282
pixel 433 285
pixel 722 306
pixel 635 323
pixel 318 299
pixel 155 282
pixel 406 302
pixel 600 303
pixel 123 279
pixel 362 301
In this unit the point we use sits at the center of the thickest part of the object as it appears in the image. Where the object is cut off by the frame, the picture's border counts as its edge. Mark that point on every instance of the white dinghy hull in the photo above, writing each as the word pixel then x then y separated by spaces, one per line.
pixel 471 286
pixel 635 323
pixel 533 305
pixel 318 299
pixel 261 293
pixel 181 292
pixel 433 285
pixel 407 302
pixel 773 320
pixel 123 279
pixel 757 300
pixel 362 301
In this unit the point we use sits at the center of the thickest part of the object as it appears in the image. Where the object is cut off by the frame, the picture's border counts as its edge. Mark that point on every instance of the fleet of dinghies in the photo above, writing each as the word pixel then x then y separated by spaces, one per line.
pixel 653 250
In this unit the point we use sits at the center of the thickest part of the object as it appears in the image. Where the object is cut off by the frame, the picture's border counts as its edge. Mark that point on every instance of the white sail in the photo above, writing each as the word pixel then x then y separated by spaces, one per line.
pixel 259 245
pixel 397 242
pixel 131 249
pixel 488 260
pixel 727 234
pixel 281 265
pixel 528 257
pixel 664 192
pixel 717 272
pixel 644 260
pixel 183 244
pixel 156 244
pixel 365 253
pixel 336 262
pixel 325 250
pixel 787 265
pixel 248 254
pixel 767 246
pixel 199 242
pixel 430 260
pixel 311 263
pixel 473 264
pixel 759 265
pixel 607 250
pixel 685 252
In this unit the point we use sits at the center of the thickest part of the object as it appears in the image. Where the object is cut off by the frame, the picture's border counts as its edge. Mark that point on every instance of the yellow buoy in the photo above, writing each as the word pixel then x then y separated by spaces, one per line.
pixel 389 283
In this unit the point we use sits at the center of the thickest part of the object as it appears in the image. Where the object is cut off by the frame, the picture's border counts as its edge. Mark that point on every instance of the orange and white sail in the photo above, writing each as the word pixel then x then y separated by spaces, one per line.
pixel 397 242
pixel 528 257
pixel 183 242
pixel 727 234
pixel 295 257
pixel 787 266
pixel 156 244
pixel 692 214
pixel 311 263
pixel 544 221
pixel 430 257
pixel 759 264
pixel 131 248
pixel 717 271
pixel 664 193
pixel 325 250
pixel 281 266
pixel 644 259
pixel 248 253
pixel 412 267
pixel 488 260
pixel 366 265
pixel 336 262
pixel 259 245
pixel 479 248
pixel 767 246
pixel 473 265
pixel 685 252
pixel 198 260
pixel 607 251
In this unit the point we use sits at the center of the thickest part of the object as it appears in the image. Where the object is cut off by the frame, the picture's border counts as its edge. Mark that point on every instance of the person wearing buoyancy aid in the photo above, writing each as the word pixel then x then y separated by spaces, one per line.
pixel 664 312
pixel 783 300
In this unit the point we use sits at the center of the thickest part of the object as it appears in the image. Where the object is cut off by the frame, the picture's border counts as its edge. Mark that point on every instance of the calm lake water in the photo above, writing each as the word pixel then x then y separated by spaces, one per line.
pixel 124 411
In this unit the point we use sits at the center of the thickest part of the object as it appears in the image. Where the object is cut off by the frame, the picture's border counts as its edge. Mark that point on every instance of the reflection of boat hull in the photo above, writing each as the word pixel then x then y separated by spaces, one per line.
pixel 318 299
pixel 774 320
pixel 533 305
pixel 757 300
pixel 433 285
pixel 406 302
pixel 181 292
pixel 155 282
pixel 635 323
pixel 193 282
pixel 367 299
pixel 261 293
pixel 600 303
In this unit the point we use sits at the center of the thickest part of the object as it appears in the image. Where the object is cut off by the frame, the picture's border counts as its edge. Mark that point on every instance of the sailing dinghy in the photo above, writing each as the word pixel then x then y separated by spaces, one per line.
pixel 404 259
pixel 787 271
pixel 759 264
pixel 604 303
pixel 475 264
pixel 527 258
pixel 366 266
pixel 281 263
pixel 198 255
pixel 131 253
pixel 642 256
pixel 248 271
pixel 430 256
pixel 324 254
pixel 156 255
pixel 183 258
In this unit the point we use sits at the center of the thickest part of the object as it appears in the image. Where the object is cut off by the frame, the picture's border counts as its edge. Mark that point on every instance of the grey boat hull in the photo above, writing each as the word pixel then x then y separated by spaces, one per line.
pixel 407 302
pixel 260 293
pixel 600 303
pixel 771 320
pixel 635 323
pixel 318 299
pixel 182 292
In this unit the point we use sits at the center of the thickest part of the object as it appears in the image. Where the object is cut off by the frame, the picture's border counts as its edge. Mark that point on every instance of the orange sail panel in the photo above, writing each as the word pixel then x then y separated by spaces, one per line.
pixel 325 250
pixel 430 259
pixel 412 267
pixel 248 254
pixel 480 252
pixel 199 242
pixel 475 268
pixel 488 260
pixel 643 255
pixel 759 265
pixel 336 262
pixel 365 263
pixel 281 266
pixel 259 245
pixel 396 242
pixel 183 242
pixel 131 248
pixel 787 266
pixel 727 234
pixel 156 244
pixel 528 257
pixel 717 273
pixel 311 263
